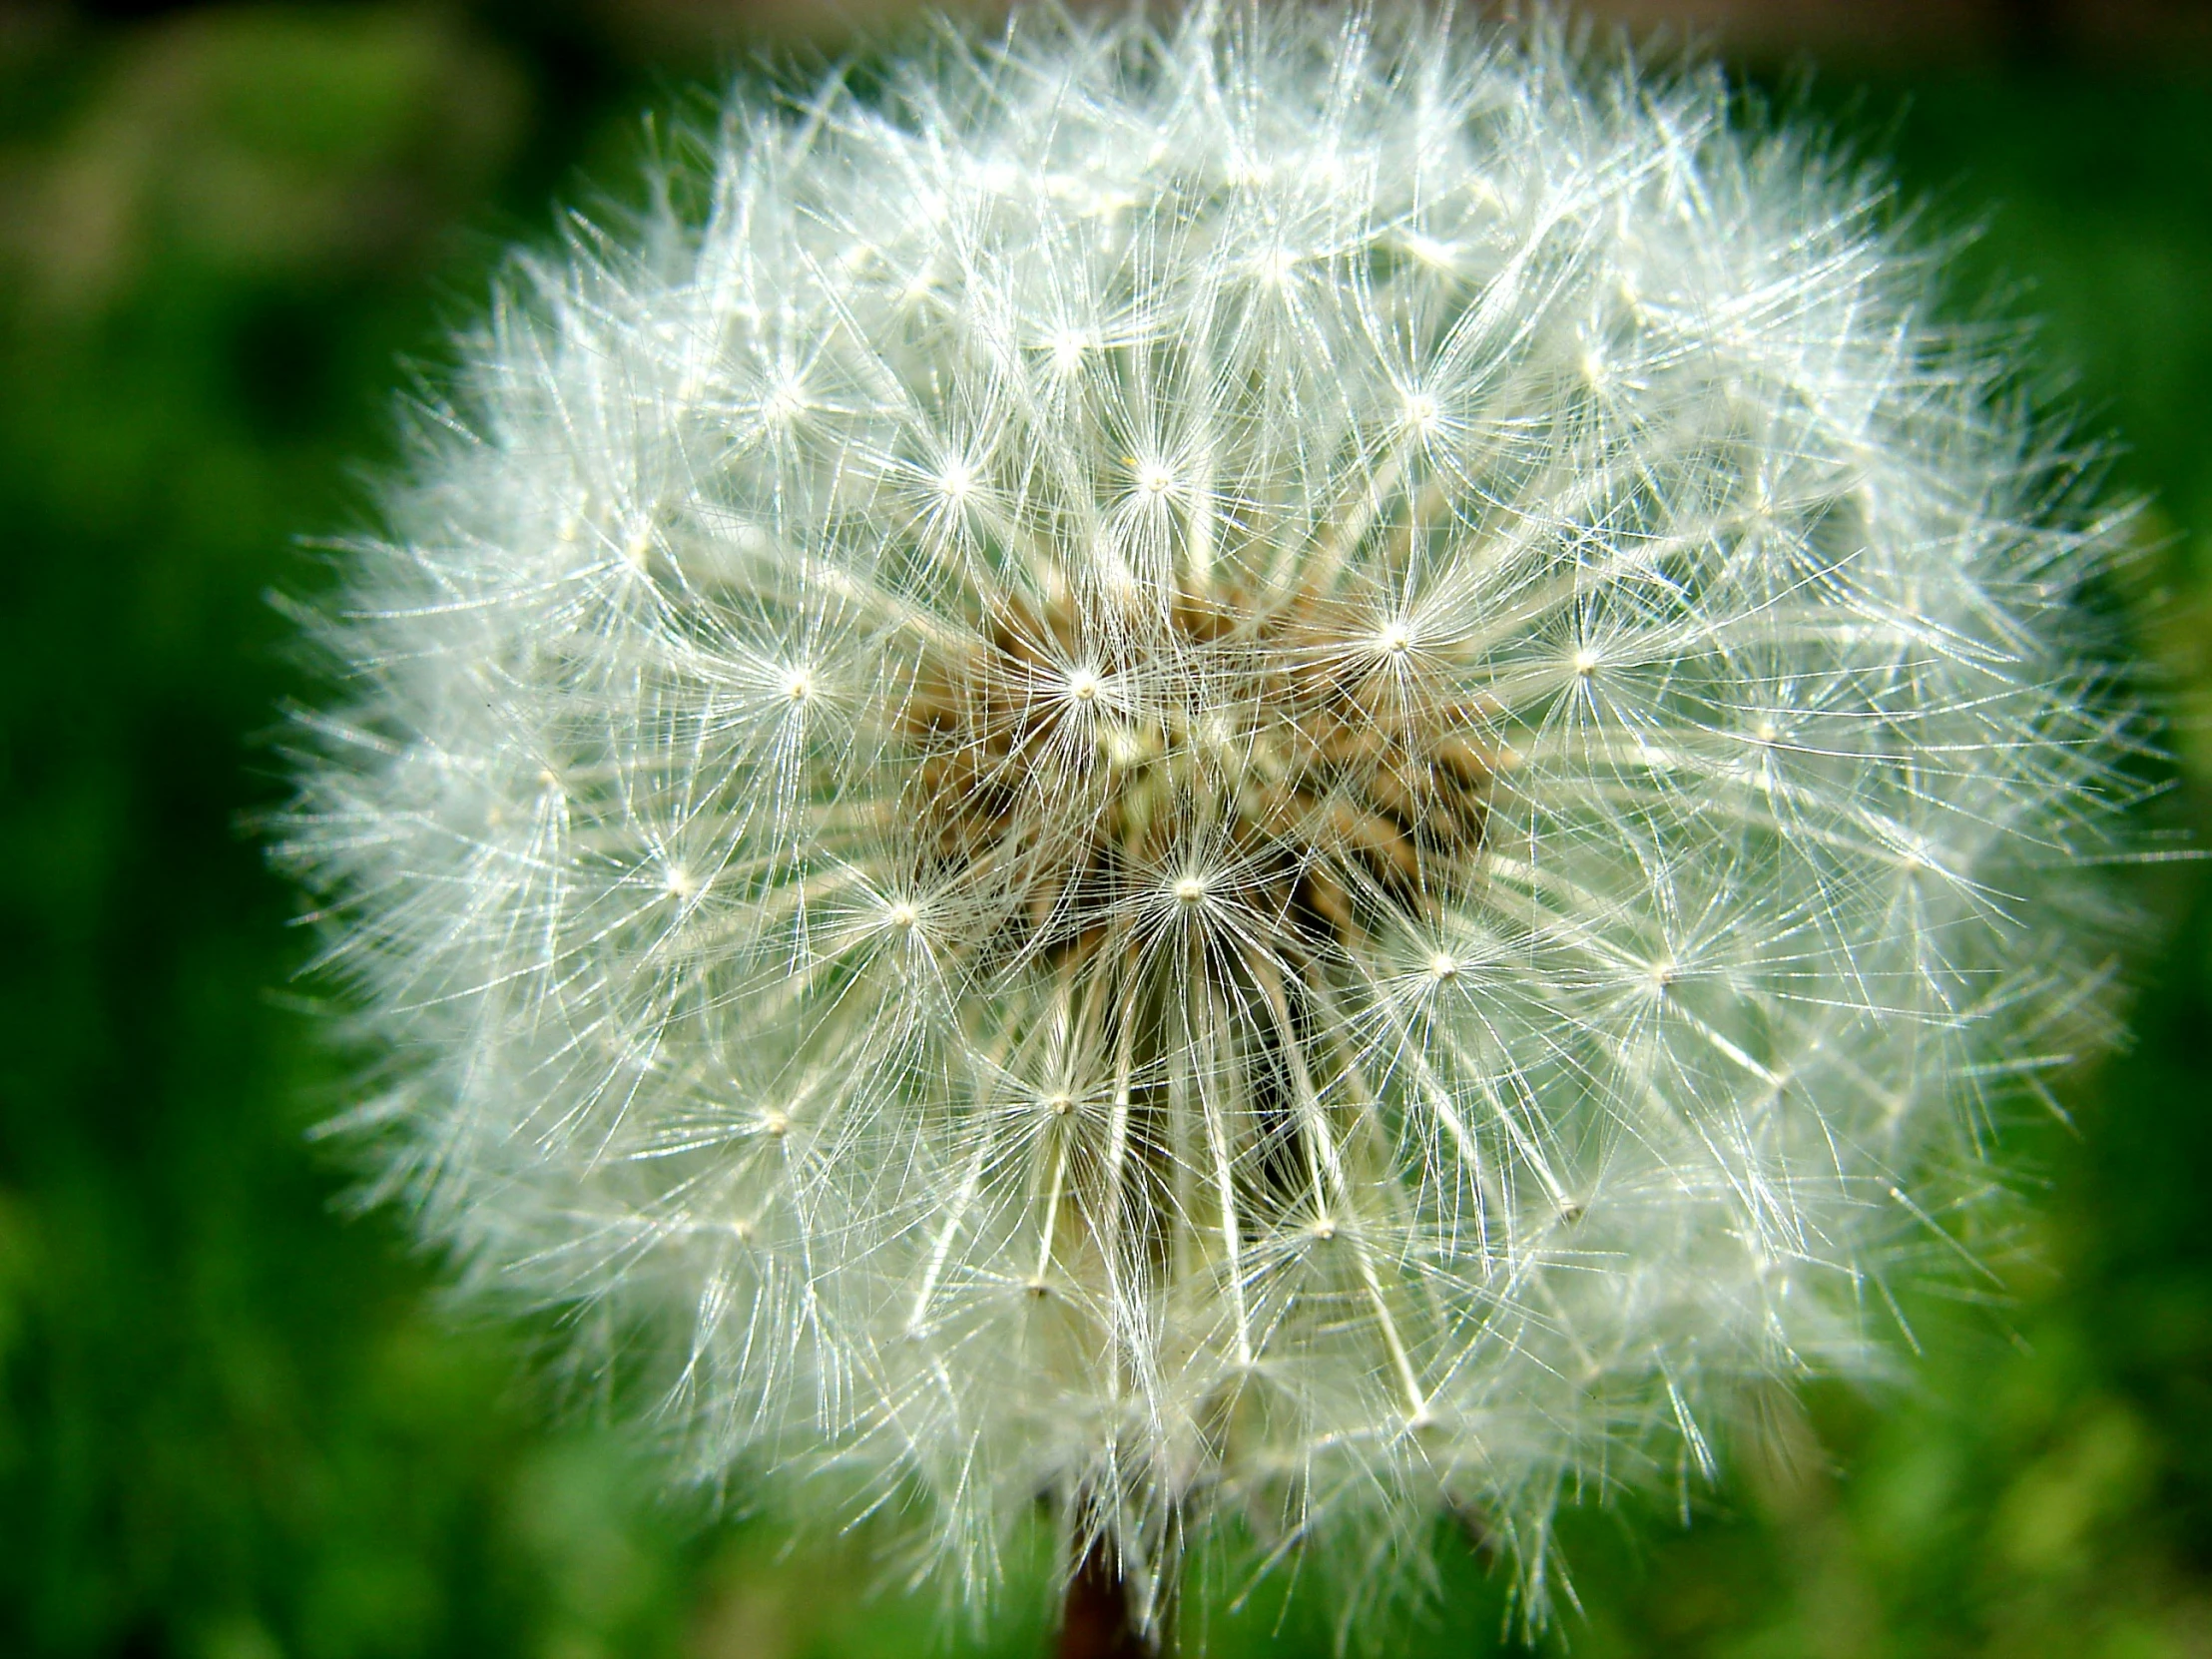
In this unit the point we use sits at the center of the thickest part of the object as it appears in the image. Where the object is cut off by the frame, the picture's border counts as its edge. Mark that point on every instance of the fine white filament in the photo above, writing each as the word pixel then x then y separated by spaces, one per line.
pixel 1273 768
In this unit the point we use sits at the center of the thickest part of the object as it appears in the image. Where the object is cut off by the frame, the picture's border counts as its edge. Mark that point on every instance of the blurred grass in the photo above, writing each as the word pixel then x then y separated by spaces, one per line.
pixel 232 1422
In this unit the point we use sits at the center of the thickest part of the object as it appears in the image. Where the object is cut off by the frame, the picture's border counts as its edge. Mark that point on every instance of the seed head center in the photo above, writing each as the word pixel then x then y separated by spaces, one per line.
pixel 1263 733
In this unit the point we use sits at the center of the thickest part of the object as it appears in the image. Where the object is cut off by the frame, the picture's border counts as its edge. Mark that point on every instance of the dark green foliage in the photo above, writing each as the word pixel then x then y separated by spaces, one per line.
pixel 235 1422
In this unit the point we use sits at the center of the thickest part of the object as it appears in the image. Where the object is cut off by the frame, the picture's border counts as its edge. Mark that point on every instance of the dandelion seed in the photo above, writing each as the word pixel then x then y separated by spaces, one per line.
pixel 785 401
pixel 1429 251
pixel 956 483
pixel 1069 347
pixel 1333 962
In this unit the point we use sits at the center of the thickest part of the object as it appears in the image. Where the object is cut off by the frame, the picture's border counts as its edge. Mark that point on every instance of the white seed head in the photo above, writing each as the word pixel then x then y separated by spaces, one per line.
pixel 1725 1006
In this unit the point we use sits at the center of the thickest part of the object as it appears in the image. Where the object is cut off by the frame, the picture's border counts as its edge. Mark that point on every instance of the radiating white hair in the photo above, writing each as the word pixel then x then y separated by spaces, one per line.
pixel 1272 767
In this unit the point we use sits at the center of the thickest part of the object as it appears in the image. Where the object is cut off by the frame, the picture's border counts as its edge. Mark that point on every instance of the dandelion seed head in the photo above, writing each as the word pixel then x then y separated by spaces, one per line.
pixel 1272 768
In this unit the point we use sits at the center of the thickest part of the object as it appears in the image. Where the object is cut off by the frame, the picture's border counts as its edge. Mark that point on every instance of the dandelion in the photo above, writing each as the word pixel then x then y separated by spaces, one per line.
pixel 1261 775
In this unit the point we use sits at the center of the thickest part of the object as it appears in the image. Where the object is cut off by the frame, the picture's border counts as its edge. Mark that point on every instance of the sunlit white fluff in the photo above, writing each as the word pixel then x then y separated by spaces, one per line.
pixel 1257 768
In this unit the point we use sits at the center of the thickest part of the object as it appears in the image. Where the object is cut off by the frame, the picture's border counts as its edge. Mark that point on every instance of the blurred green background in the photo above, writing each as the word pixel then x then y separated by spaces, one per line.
pixel 235 1422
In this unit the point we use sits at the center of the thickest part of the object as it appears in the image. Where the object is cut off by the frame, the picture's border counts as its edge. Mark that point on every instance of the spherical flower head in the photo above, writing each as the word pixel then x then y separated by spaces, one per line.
pixel 1267 769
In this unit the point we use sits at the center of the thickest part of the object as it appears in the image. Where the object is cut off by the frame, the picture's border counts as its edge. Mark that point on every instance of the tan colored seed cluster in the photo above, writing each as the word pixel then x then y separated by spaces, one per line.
pixel 1301 745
